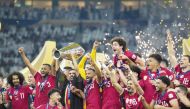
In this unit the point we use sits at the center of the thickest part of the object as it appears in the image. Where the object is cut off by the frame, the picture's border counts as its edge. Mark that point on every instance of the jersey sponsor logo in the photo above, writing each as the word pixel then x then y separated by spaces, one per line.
pixel 131 101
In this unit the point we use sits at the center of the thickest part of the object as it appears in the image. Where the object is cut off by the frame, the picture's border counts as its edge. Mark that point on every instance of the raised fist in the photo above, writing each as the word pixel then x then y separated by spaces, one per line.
pixel 21 50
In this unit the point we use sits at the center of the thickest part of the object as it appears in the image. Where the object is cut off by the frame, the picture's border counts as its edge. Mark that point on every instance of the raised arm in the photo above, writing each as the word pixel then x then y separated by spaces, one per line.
pixel 81 67
pixel 113 78
pixel 170 47
pixel 55 63
pixel 122 76
pixel 134 79
pixel 84 58
pixel 55 66
pixel 140 62
pixel 27 61
pixel 114 82
pixel 97 70
pixel 139 89
pixel 93 52
pixel 75 64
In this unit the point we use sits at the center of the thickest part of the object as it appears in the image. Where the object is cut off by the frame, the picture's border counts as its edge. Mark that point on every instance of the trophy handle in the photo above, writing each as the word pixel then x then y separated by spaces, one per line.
pixel 57 54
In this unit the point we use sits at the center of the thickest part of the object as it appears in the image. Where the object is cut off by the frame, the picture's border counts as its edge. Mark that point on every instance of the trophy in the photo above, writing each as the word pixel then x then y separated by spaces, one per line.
pixel 71 48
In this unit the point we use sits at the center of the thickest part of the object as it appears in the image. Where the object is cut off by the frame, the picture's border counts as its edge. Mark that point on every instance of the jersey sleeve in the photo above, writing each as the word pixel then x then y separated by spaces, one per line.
pixel 29 90
pixel 131 55
pixel 177 69
pixel 93 54
pixel 81 67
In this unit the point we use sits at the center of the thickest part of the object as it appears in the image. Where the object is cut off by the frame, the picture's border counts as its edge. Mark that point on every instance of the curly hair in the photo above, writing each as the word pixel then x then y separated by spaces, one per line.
pixel 120 41
pixel 20 77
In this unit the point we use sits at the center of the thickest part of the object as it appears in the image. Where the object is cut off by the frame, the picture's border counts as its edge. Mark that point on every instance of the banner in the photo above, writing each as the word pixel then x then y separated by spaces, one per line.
pixel 186 46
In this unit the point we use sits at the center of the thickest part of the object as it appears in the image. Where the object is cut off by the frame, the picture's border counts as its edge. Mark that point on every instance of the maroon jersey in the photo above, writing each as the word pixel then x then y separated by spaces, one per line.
pixel 164 98
pixel 148 75
pixel 92 94
pixel 19 97
pixel 184 78
pixel 129 54
pixel 148 88
pixel 177 69
pixel 132 101
pixel 110 97
pixel 47 106
pixel 43 86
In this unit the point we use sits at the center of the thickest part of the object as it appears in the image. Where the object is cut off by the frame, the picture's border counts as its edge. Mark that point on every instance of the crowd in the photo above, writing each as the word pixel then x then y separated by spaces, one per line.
pixel 71 13
pixel 37 35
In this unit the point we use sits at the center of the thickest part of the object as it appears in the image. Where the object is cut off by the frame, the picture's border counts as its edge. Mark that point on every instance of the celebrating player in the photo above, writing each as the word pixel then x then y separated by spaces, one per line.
pixel 121 53
pixel 163 98
pixel 54 100
pixel 17 94
pixel 44 80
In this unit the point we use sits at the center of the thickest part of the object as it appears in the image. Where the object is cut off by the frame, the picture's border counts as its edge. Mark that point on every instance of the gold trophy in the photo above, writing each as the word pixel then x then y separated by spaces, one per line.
pixel 71 48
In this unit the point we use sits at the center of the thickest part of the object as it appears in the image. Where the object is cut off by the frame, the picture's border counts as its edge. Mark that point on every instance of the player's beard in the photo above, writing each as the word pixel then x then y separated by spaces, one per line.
pixel 16 84
pixel 89 80
pixel 45 75
pixel 130 90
